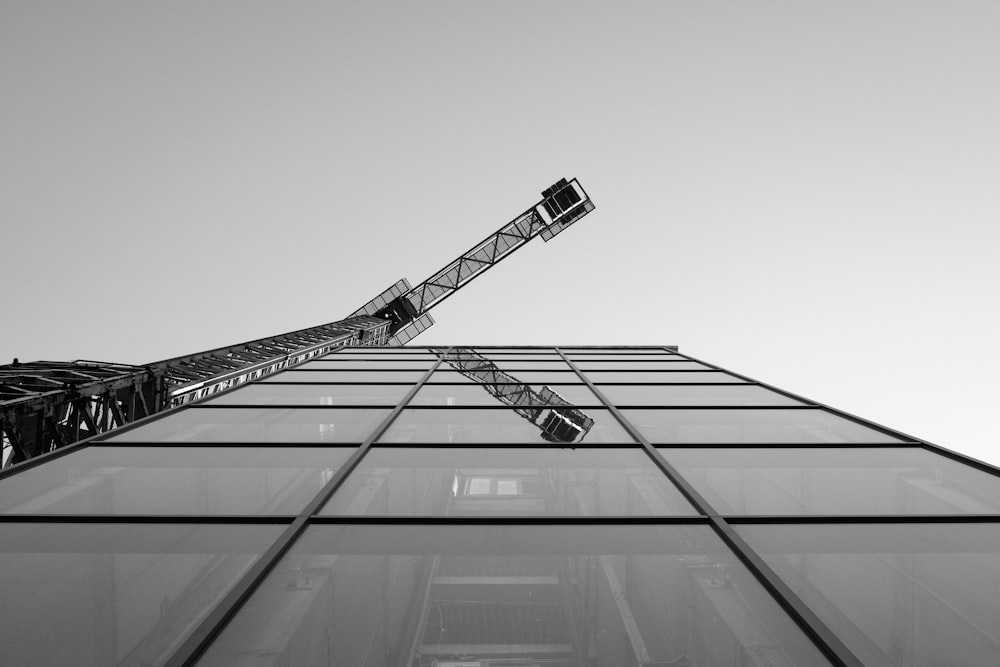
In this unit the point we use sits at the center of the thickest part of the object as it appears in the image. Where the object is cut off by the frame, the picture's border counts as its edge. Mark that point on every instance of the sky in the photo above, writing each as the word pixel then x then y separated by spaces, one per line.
pixel 801 192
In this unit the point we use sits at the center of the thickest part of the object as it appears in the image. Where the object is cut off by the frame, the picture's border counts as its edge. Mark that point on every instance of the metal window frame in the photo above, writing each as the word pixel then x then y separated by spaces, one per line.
pixel 724 525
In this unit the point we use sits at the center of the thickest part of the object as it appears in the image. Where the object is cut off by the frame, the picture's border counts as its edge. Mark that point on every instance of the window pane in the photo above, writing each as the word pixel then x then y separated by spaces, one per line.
pixel 473 394
pixel 841 480
pixel 910 594
pixel 345 376
pixel 499 357
pixel 496 425
pixel 663 374
pixel 314 394
pixel 515 350
pixel 528 377
pixel 106 594
pixel 746 394
pixel 666 377
pixel 612 350
pixel 511 595
pixel 456 481
pixel 627 357
pixel 641 366
pixel 763 426
pixel 339 356
pixel 259 425
pixel 513 366
pixel 173 480
pixel 333 364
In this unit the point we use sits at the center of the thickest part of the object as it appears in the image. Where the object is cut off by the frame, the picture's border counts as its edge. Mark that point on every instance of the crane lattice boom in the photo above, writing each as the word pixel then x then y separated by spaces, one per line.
pixel 47 405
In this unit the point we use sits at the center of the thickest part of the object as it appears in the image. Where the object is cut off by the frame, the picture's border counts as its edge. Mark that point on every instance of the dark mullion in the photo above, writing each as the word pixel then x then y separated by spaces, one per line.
pixel 944 451
pixel 227 443
pixel 825 640
pixel 861 518
pixel 149 518
pixel 226 608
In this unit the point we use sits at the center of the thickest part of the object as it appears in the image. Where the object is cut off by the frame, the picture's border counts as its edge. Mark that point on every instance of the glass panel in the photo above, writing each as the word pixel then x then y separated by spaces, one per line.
pixel 259 425
pixel 666 377
pixel 473 394
pixel 384 356
pixel 523 596
pixel 107 594
pixel 638 366
pixel 331 364
pixel 314 394
pixel 611 350
pixel 486 481
pixel 911 594
pixel 841 480
pixel 521 357
pixel 512 366
pixel 496 425
pixel 627 357
pixel 345 376
pixel 693 395
pixel 763 426
pixel 173 480
pixel 528 377
pixel 388 351
pixel 515 350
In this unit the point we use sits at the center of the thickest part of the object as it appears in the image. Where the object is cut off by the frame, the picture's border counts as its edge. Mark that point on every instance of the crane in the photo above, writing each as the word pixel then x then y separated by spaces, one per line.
pixel 47 405
pixel 558 419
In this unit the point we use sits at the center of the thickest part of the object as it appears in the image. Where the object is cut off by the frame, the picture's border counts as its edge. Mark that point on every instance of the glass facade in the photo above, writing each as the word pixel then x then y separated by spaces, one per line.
pixel 548 507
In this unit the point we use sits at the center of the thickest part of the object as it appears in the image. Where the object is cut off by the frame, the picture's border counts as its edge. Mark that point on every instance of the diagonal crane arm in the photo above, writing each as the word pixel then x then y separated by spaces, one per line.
pixel 557 418
pixel 562 204
pixel 47 405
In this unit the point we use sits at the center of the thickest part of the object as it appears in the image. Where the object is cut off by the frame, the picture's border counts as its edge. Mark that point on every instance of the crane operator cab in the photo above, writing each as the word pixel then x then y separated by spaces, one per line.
pixel 563 204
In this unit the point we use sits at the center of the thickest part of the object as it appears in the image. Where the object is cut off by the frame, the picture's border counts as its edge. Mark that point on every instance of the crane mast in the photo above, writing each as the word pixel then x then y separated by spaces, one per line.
pixel 46 405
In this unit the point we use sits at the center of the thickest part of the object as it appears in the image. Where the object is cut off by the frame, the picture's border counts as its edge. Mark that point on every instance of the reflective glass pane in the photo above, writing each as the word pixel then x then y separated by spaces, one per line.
pixel 91 594
pixel 841 480
pixel 259 425
pixel 387 351
pixel 606 369
pixel 345 376
pixel 339 356
pixel 515 350
pixel 745 394
pixel 921 595
pixel 513 366
pixel 495 425
pixel 475 394
pixel 486 481
pixel 314 394
pixel 634 366
pixel 627 357
pixel 523 596
pixel 173 480
pixel 528 377
pixel 665 377
pixel 498 357
pixel 736 426
pixel 334 364
pixel 611 350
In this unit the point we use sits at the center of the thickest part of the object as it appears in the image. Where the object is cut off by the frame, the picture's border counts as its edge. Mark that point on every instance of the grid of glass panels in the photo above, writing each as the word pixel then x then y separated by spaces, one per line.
pixel 587 506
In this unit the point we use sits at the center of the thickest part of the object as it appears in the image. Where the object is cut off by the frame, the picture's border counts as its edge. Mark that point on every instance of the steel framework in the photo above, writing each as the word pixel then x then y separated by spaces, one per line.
pixel 46 405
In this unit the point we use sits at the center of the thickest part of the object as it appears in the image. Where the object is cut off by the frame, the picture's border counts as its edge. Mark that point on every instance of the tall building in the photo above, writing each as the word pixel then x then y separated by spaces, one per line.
pixel 405 507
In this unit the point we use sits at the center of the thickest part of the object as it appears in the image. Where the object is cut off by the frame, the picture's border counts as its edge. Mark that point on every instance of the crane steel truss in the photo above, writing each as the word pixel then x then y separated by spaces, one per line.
pixel 46 405
pixel 557 418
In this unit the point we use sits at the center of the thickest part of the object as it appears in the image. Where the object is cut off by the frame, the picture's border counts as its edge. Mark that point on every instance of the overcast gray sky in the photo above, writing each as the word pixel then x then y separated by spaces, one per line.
pixel 802 192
